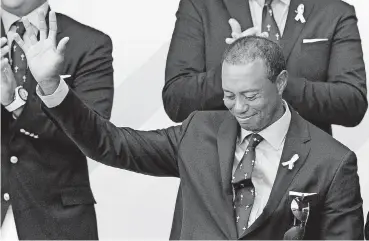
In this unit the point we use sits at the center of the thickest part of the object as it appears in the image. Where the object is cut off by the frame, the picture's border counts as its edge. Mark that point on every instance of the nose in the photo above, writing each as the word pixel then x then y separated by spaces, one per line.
pixel 240 106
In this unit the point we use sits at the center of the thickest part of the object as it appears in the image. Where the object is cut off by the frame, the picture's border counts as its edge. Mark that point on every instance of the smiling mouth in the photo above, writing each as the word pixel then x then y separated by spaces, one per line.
pixel 245 118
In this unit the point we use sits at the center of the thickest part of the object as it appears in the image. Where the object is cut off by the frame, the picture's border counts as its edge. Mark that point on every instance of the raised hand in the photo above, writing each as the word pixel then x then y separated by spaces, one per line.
pixel 44 58
pixel 237 32
pixel 8 82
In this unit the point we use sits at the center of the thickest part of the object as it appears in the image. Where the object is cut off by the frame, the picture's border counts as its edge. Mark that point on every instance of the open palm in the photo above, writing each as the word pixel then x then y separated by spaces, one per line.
pixel 43 57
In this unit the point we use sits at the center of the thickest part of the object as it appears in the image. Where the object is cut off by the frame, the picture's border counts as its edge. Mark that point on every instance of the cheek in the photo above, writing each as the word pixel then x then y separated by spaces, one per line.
pixel 228 104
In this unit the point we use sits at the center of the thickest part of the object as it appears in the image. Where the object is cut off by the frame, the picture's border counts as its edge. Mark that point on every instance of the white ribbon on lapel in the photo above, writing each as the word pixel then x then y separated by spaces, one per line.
pixel 291 162
pixel 300 13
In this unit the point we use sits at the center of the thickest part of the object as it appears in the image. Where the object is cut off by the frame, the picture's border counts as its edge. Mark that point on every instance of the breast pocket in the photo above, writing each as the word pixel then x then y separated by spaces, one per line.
pixel 77 196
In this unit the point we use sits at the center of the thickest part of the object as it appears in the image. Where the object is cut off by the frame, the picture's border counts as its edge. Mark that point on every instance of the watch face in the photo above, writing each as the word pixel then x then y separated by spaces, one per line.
pixel 23 93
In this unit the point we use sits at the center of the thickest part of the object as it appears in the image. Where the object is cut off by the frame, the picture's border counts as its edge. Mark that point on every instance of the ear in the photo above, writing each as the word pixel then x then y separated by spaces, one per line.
pixel 281 81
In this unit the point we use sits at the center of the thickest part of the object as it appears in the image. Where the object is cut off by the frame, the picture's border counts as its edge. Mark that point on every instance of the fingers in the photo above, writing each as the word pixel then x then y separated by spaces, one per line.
pixel 29 31
pixel 52 26
pixel 264 35
pixel 250 32
pixel 230 40
pixel 25 47
pixel 62 46
pixel 4 51
pixel 4 64
pixel 235 26
pixel 3 41
pixel 42 25
pixel 5 67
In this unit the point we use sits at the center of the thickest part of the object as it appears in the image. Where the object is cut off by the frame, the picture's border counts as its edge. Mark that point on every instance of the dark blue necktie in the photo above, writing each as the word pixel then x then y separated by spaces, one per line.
pixel 243 187
pixel 269 24
pixel 19 61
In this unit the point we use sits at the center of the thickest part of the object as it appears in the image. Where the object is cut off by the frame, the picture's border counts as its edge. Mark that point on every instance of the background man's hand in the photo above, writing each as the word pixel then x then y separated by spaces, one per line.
pixel 8 83
pixel 44 58
pixel 237 32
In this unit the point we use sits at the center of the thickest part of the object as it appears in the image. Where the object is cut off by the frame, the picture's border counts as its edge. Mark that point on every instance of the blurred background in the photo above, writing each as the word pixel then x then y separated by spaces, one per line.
pixel 133 206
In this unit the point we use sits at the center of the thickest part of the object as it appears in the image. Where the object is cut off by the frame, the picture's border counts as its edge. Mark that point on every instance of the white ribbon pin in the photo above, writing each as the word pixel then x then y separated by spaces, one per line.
pixel 291 162
pixel 300 13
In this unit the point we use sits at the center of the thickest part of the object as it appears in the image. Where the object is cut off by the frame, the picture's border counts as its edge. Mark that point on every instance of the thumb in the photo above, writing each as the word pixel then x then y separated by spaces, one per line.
pixel 62 45
pixel 235 26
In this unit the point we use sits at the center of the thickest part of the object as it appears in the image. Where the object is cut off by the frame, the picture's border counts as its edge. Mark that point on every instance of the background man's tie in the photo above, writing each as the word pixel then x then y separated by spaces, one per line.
pixel 269 24
pixel 19 61
pixel 243 187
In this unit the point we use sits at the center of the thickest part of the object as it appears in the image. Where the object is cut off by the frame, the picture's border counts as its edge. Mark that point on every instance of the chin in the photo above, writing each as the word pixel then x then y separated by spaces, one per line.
pixel 250 127
pixel 12 3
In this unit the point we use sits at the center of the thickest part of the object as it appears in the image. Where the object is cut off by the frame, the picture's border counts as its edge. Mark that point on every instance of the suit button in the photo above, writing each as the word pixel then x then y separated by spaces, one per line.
pixel 6 196
pixel 27 133
pixel 13 159
pixel 22 130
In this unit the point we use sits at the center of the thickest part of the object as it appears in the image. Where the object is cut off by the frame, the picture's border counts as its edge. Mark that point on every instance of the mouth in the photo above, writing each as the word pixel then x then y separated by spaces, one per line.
pixel 245 118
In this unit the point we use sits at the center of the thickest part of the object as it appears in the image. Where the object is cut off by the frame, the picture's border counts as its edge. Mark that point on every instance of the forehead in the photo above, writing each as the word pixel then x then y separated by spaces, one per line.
pixel 255 67
pixel 252 73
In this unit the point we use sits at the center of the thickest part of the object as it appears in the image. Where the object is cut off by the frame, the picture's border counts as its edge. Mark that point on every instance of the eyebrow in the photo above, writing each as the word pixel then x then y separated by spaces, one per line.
pixel 243 92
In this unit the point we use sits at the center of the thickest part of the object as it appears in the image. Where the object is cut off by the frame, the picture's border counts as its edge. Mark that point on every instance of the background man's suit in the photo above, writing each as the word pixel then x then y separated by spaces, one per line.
pixel 49 185
pixel 201 152
pixel 327 83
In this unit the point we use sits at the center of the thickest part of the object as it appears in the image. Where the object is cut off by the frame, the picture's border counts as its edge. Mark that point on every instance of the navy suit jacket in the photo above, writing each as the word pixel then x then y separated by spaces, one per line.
pixel 49 186
pixel 201 152
pixel 327 83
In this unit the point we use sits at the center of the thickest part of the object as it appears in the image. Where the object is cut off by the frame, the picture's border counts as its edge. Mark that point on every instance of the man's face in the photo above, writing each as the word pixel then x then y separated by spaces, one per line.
pixel 250 96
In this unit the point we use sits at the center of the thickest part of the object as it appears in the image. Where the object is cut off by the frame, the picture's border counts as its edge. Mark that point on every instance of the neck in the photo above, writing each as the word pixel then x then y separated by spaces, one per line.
pixel 26 8
pixel 280 111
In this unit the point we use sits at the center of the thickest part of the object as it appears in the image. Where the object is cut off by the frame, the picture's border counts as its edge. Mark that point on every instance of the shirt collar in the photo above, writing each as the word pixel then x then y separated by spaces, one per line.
pixel 261 2
pixel 276 132
pixel 9 19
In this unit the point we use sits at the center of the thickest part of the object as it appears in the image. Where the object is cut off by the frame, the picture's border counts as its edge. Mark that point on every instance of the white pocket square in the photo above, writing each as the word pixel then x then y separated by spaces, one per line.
pixel 300 194
pixel 314 40
pixel 65 76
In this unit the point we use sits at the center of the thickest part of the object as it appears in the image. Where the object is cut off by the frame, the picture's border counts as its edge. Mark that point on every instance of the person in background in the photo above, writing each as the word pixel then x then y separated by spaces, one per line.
pixel 320 42
pixel 45 188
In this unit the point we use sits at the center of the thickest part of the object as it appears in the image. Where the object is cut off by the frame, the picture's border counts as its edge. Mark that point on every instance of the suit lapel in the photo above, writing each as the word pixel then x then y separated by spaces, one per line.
pixel 297 142
pixel 293 28
pixel 240 10
pixel 226 143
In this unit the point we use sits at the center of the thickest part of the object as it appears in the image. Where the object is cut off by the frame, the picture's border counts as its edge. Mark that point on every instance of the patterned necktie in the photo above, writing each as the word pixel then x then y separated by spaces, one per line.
pixel 19 61
pixel 269 24
pixel 243 187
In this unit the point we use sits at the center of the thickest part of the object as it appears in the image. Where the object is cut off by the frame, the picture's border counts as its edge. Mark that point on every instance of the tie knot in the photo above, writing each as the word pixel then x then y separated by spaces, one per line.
pixel 255 140
pixel 20 29
pixel 268 2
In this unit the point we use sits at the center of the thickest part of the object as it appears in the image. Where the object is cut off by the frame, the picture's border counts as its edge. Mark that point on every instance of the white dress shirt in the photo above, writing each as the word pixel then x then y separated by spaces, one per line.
pixel 280 11
pixel 8 228
pixel 268 154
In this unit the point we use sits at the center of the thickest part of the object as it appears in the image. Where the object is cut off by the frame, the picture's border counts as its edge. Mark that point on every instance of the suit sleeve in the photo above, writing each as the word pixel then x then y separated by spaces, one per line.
pixel 341 99
pixel 189 85
pixel 146 152
pixel 93 82
pixel 343 214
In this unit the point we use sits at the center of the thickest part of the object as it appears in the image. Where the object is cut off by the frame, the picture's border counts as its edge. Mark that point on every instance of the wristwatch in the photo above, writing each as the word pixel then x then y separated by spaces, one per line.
pixel 20 98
